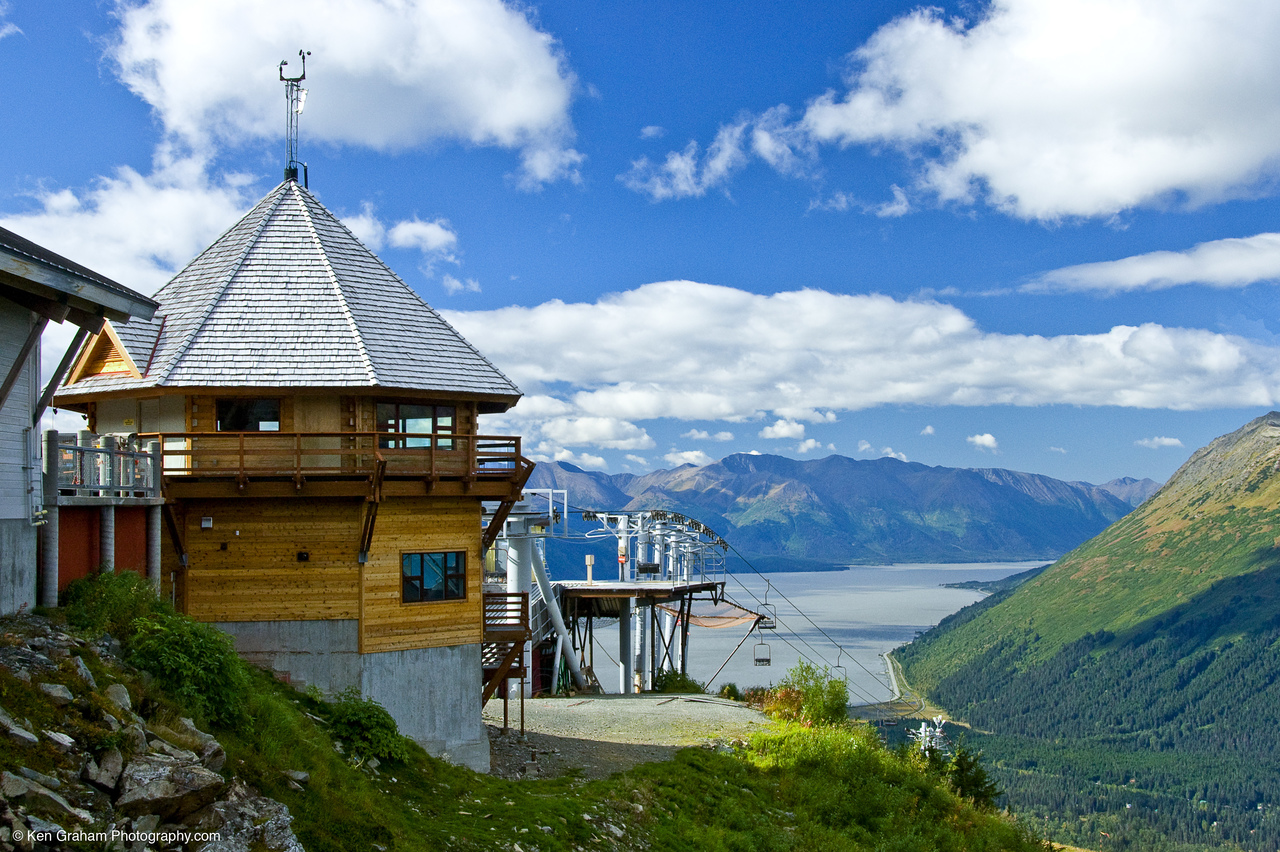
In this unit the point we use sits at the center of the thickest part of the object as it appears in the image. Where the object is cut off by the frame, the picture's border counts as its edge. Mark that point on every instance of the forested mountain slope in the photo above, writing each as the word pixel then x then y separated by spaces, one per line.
pixel 1139 676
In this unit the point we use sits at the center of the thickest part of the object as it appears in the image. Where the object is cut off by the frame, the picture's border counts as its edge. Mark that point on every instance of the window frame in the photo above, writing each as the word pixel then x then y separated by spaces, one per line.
pixel 242 401
pixel 451 576
pixel 438 412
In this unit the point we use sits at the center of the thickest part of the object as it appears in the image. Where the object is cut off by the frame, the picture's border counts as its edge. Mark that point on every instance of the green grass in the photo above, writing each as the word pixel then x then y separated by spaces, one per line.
pixel 802 788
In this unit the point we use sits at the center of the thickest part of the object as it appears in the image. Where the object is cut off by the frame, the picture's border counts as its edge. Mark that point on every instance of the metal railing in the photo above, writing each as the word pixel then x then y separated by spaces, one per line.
pixel 258 454
pixel 103 468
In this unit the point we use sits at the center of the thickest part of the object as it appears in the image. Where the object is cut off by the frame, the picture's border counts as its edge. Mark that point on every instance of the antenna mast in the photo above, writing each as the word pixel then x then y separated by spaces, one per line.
pixel 295 97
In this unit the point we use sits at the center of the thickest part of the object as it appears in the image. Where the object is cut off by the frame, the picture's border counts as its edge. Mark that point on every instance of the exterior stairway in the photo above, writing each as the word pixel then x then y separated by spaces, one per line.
pixel 506 631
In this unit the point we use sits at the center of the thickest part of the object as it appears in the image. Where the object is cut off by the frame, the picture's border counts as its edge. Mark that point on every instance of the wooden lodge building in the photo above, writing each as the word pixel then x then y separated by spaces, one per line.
pixel 316 428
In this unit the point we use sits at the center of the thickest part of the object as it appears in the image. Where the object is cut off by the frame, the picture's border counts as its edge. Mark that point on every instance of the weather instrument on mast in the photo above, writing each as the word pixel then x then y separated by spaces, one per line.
pixel 295 97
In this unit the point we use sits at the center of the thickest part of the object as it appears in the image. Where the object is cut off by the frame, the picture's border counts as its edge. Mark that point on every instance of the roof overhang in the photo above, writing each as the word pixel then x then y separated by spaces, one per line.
pixel 35 274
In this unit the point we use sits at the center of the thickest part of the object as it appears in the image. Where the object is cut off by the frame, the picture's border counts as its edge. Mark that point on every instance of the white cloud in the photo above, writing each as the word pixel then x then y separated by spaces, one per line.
pixel 783 429
pixel 703 435
pixel 864 446
pixel 604 432
pixel 653 131
pixel 1050 110
pixel 985 441
pixel 810 444
pixel 693 457
pixel 1158 442
pixel 888 451
pixel 639 460
pixel 1057 450
pixel 689 173
pixel 693 351
pixel 583 460
pixel 388 76
pixel 928 430
pixel 426 237
pixel 1234 262
pixel 453 285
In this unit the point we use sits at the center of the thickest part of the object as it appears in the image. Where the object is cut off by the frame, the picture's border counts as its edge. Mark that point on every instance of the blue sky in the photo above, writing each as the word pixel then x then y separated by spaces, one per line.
pixel 1032 235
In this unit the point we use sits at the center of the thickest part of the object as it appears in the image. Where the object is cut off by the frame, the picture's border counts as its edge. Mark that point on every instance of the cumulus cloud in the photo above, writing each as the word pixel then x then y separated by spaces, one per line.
pixel 1234 262
pixel 888 451
pixel 653 131
pixel 690 172
pixel 1057 450
pixel 436 240
pixel 1052 110
pixel 454 285
pixel 583 460
pixel 698 458
pixel 985 441
pixel 783 429
pixel 703 435
pixel 388 76
pixel 697 352
pixel 1158 442
pixel 928 430
pixel 864 446
pixel 638 460
pixel 693 351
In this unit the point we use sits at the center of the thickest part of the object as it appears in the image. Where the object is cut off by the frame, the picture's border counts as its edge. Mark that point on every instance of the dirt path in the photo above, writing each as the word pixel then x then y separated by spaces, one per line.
pixel 603 734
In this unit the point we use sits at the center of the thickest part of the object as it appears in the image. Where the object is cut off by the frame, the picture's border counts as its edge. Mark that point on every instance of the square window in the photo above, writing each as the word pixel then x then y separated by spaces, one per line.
pixel 433 576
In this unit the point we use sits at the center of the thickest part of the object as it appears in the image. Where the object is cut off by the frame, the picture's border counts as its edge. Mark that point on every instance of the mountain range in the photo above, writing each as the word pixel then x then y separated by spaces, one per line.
pixel 1130 690
pixel 786 514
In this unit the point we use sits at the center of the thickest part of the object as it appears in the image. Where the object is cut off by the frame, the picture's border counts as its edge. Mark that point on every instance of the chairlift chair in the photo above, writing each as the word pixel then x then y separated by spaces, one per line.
pixel 763 655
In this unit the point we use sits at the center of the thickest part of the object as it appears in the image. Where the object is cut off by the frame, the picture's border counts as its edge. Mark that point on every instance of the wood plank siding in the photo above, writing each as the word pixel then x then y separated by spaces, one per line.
pixel 420 525
pixel 258 577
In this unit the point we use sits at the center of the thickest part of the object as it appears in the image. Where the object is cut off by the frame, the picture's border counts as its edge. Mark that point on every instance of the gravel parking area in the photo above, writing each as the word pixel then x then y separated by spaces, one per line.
pixel 598 735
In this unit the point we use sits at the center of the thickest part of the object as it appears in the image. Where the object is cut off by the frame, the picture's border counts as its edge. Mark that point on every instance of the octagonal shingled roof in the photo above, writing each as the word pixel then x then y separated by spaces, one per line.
pixel 288 297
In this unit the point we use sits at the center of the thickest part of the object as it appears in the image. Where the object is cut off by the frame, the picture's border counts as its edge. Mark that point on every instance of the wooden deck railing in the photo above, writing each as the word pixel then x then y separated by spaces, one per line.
pixel 506 616
pixel 293 454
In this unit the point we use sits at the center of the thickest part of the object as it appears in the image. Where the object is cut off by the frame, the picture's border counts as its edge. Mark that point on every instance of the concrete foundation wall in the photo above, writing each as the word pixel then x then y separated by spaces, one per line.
pixel 18 567
pixel 433 693
pixel 308 653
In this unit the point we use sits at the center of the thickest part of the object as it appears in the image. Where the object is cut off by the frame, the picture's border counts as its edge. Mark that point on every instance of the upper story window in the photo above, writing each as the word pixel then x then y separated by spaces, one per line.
pixel 418 419
pixel 248 415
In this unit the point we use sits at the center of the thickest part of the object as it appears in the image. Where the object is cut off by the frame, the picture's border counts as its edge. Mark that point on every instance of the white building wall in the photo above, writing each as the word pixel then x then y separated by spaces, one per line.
pixel 19 473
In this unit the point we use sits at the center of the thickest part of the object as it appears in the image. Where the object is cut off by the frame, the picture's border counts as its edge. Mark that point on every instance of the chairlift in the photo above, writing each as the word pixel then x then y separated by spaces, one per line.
pixel 768 612
pixel 839 672
pixel 763 654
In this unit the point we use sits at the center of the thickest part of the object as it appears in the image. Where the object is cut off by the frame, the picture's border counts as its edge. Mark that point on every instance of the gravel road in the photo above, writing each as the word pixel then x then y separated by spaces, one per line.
pixel 598 735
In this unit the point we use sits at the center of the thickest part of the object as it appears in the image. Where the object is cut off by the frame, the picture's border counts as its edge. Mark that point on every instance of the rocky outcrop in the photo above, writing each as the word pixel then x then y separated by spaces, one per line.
pixel 91 772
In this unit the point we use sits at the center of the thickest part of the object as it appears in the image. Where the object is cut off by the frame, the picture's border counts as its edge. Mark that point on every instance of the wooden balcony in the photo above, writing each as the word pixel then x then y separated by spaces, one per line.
pixel 376 464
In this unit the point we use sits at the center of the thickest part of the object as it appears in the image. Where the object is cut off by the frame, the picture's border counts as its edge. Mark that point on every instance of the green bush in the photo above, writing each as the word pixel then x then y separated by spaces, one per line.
pixel 111 603
pixel 731 692
pixel 675 682
pixel 195 662
pixel 366 726
pixel 969 778
pixel 807 694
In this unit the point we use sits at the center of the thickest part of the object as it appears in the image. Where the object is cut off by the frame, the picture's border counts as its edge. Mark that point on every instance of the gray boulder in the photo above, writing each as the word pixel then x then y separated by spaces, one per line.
pixel 159 784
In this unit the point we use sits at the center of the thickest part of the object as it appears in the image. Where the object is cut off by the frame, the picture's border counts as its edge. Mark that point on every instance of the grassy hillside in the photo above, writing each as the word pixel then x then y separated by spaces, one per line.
pixel 791 789
pixel 1140 674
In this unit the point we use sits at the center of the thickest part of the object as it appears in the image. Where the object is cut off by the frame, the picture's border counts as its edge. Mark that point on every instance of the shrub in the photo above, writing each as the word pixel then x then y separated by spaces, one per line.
pixel 731 692
pixel 807 694
pixel 675 682
pixel 111 602
pixel 195 662
pixel 366 726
